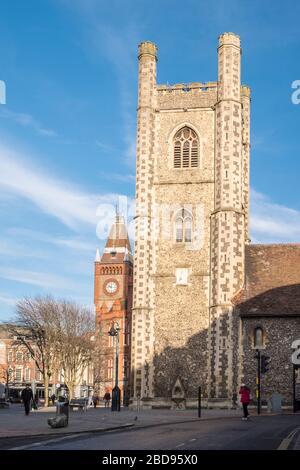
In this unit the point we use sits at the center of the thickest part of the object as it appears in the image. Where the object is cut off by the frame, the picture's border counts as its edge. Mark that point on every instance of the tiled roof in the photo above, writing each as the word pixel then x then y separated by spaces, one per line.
pixel 117 248
pixel 272 281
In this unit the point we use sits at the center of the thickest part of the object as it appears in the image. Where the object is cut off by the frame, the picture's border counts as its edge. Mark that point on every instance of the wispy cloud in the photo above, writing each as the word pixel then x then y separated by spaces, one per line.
pixel 26 120
pixel 77 243
pixel 52 195
pixel 271 222
pixel 126 178
pixel 104 147
pixel 14 249
pixel 41 279
pixel 5 299
pixel 118 45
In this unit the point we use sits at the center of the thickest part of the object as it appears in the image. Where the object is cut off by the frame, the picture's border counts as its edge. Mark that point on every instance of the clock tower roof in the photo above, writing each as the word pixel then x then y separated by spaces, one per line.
pixel 117 248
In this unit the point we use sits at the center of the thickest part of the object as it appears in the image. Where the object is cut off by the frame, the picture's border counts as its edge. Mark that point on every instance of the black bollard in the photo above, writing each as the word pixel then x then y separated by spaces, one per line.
pixel 199 402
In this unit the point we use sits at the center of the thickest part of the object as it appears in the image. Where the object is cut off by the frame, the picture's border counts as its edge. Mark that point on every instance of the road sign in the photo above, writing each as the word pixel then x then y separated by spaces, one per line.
pixel 295 358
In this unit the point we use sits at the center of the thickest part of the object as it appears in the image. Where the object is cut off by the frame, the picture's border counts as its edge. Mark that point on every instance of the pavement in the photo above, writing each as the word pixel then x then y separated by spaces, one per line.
pixel 14 423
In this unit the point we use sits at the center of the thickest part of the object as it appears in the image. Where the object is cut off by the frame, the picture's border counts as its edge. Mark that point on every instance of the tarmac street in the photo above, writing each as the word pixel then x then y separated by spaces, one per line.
pixel 101 429
pixel 261 433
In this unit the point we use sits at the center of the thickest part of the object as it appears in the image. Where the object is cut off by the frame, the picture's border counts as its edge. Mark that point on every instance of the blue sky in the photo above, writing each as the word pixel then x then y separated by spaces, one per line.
pixel 67 130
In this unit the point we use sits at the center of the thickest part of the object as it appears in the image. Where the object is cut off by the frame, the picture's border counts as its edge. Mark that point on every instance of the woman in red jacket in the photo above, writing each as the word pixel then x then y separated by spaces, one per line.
pixel 245 400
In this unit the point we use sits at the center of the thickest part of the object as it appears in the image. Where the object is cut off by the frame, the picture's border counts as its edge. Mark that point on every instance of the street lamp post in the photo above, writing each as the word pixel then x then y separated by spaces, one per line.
pixel 116 393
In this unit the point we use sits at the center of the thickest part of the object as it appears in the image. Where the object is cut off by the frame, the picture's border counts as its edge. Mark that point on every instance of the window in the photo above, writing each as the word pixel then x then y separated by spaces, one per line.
pixel 127 335
pixel 186 149
pixel 38 376
pixel 19 357
pixel 27 375
pixel 110 369
pixel 110 341
pixel 10 374
pixel 188 229
pixel 18 374
pixel 179 229
pixel 258 338
pixel 10 356
pixel 27 357
pixel 183 226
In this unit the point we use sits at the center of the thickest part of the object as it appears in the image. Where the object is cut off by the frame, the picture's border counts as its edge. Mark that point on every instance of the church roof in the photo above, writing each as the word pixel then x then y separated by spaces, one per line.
pixel 272 281
pixel 117 248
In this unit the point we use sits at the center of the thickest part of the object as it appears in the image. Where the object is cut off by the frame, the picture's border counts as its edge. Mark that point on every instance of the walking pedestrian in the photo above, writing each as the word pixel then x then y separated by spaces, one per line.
pixel 90 401
pixel 53 398
pixel 27 396
pixel 95 399
pixel 245 400
pixel 106 399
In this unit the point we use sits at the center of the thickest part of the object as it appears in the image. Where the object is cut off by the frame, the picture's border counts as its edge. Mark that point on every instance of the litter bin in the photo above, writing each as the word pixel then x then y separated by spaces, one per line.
pixel 62 407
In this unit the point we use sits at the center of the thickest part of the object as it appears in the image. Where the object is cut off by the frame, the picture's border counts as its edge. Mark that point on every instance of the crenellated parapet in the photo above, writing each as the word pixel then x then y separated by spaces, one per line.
pixel 147 48
pixel 229 39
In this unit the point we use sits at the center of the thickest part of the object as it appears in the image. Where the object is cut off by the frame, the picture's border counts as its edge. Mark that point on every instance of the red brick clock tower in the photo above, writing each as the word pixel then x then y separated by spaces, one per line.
pixel 113 303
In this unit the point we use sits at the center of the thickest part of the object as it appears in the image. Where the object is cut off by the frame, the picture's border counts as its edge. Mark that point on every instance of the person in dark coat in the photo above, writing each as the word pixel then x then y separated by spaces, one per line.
pixel 106 399
pixel 245 400
pixel 27 396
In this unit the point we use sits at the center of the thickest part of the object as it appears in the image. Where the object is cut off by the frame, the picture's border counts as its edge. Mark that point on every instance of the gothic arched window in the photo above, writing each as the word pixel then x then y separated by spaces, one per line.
pixel 183 226
pixel 258 338
pixel 186 148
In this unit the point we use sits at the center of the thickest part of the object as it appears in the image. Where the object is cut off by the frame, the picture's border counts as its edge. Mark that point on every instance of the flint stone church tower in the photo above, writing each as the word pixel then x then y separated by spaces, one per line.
pixel 192 195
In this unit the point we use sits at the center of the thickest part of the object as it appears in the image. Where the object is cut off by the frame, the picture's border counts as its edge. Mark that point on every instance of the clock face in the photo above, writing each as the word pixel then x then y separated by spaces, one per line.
pixel 111 287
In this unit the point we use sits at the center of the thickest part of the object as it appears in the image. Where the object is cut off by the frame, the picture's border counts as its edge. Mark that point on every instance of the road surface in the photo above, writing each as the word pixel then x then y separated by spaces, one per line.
pixel 260 433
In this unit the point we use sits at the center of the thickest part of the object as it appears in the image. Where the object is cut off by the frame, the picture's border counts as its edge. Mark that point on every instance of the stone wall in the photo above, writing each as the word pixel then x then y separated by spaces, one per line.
pixel 279 333
pixel 181 311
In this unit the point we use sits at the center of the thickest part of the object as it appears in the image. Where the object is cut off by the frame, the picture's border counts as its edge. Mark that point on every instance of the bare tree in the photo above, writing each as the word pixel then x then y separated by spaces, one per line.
pixel 58 335
pixel 35 327
pixel 6 375
pixel 76 345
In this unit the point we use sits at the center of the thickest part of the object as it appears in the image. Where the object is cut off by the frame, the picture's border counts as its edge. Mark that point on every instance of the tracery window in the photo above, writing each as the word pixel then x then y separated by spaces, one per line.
pixel 186 148
pixel 183 226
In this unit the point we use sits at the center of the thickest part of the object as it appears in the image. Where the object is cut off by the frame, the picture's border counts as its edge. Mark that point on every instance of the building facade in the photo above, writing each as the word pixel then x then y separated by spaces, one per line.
pixel 18 368
pixel 113 303
pixel 191 237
